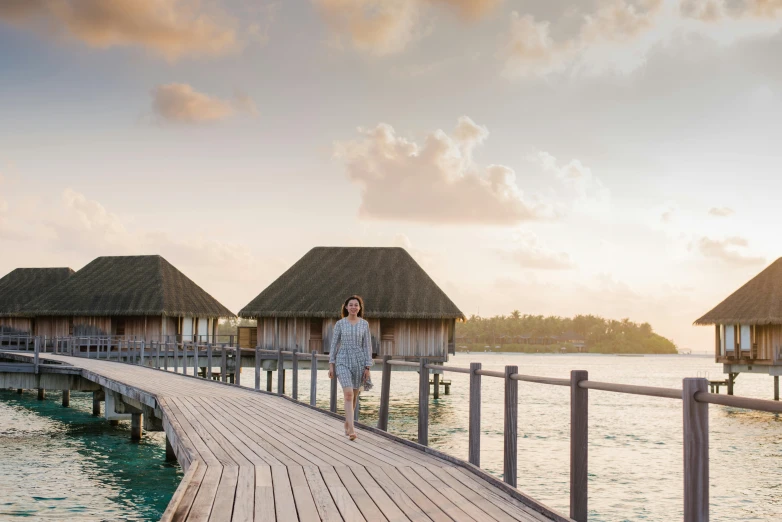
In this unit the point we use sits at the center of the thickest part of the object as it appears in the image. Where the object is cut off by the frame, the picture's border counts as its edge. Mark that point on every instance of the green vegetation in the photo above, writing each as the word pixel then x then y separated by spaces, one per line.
pixel 517 333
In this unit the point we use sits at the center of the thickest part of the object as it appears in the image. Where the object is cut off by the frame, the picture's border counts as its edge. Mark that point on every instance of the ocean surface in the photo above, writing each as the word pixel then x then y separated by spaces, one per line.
pixel 56 461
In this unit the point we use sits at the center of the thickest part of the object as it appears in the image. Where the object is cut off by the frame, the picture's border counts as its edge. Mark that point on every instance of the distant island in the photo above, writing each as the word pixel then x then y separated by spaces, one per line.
pixel 539 334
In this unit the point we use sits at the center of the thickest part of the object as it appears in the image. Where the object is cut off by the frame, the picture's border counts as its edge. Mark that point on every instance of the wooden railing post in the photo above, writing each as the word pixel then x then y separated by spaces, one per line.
pixel 423 403
pixel 579 443
pixel 257 368
pixel 696 451
pixel 295 376
pixel 385 395
pixel 313 378
pixel 474 443
pixel 37 348
pixel 223 363
pixel 238 365
pixel 333 395
pixel 280 372
pixel 209 361
pixel 176 356
pixel 196 366
pixel 143 345
pixel 509 468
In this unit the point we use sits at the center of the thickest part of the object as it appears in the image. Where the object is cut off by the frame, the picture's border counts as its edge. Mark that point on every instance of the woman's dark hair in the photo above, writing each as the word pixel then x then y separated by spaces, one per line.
pixel 360 304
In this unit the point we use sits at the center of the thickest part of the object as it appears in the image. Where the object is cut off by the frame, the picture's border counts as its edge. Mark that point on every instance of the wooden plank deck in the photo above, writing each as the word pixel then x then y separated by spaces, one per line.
pixel 253 456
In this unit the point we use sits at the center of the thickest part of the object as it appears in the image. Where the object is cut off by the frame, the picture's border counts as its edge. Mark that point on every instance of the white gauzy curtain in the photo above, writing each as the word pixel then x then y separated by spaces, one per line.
pixel 746 342
pixel 730 338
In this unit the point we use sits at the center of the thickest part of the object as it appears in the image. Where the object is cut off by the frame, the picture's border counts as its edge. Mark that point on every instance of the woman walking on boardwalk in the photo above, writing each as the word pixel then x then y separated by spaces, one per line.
pixel 350 356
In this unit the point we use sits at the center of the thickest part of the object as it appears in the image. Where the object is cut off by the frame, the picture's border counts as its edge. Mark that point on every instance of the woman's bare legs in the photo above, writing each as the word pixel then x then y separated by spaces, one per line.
pixel 348 393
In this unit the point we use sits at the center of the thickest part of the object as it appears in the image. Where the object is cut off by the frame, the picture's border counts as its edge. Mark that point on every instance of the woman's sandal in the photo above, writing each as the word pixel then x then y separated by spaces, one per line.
pixel 352 436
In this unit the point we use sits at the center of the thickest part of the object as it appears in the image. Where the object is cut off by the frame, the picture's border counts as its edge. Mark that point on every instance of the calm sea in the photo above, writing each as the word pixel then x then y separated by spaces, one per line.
pixel 55 461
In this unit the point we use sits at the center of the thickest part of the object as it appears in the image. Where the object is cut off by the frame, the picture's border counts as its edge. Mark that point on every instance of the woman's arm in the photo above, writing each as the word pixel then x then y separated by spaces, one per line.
pixel 368 342
pixel 334 340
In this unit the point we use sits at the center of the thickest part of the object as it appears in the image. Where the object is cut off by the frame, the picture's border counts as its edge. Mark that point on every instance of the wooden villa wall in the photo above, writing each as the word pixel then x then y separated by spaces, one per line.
pixel 764 341
pixel 53 326
pixel 16 325
pixel 396 337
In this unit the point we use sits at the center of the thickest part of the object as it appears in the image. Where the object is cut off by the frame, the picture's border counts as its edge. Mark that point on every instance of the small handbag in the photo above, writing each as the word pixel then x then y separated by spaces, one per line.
pixel 368 384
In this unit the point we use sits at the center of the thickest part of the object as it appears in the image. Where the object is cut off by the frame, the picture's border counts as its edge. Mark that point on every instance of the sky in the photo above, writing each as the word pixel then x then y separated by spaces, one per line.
pixel 613 157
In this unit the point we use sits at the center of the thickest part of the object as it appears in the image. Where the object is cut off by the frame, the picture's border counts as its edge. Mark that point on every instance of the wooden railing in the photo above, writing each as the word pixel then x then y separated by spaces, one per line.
pixel 693 394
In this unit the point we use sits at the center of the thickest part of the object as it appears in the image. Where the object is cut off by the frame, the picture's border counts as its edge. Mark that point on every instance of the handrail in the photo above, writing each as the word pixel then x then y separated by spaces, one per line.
pixel 649 391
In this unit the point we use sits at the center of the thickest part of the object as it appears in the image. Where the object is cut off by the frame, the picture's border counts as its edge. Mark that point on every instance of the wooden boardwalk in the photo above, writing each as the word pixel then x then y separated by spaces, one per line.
pixel 257 456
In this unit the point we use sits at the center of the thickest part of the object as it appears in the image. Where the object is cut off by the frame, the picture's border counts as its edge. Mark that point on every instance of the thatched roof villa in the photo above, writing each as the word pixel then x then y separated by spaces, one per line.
pixel 129 296
pixel 18 288
pixel 409 315
pixel 748 327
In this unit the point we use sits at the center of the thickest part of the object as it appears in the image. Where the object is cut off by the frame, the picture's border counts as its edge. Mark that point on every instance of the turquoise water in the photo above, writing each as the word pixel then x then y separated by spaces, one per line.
pixel 62 463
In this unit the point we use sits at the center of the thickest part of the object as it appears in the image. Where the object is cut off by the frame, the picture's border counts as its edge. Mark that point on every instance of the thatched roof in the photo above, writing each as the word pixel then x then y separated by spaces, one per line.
pixel 22 285
pixel 392 284
pixel 128 285
pixel 757 302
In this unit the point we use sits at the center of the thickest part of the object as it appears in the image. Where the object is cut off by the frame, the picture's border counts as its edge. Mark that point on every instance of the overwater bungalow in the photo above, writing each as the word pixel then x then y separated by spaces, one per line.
pixel 748 327
pixel 408 314
pixel 17 289
pixel 128 296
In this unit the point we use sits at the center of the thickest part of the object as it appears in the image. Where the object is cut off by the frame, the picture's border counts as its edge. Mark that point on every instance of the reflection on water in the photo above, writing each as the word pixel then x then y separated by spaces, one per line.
pixel 635 446
pixel 58 463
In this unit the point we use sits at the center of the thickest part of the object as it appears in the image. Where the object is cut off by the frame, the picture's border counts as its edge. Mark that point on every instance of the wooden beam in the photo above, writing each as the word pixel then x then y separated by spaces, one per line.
pixel 385 394
pixel 510 446
pixel 423 403
pixel 474 444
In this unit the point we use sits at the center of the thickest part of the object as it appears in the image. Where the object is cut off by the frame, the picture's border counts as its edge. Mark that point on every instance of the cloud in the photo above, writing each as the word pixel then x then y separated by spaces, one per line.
pixel 180 103
pixel 728 251
pixel 382 27
pixel 528 252
pixel 578 185
pixel 716 10
pixel 721 212
pixel 437 182
pixel 529 48
pixel 171 28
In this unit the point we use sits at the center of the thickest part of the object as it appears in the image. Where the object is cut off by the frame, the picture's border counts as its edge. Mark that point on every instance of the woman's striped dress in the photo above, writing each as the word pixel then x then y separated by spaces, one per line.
pixel 351 351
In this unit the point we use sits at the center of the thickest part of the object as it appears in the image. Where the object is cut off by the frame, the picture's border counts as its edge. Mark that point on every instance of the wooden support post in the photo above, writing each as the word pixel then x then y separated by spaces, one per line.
pixel 238 365
pixel 165 354
pixel 19 391
pixel 66 398
pixel 95 404
pixel 257 368
pixel 41 394
pixel 135 426
pixel 170 453
pixel 295 377
pixel 731 380
pixel 209 361
pixel 176 356
pixel 268 381
pixel 157 355
pixel 333 395
pixel 113 422
pixel 696 452
pixel 280 372
pixel 509 468
pixel 474 443
pixel 223 363
pixel 423 403
pixel 143 346
pixel 385 395
pixel 776 387
pixel 579 443
pixel 313 377
pixel 436 379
